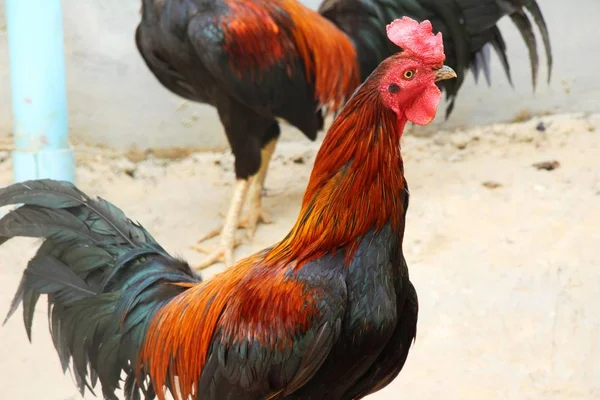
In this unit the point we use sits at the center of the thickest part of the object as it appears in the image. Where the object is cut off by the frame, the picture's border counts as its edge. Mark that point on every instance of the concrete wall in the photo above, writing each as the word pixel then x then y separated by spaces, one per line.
pixel 114 100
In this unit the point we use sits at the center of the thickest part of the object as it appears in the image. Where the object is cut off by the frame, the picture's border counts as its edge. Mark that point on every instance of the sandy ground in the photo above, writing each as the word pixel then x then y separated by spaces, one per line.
pixel 504 256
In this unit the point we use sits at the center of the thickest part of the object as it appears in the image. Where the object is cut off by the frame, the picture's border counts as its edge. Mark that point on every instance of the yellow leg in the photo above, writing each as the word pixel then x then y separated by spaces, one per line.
pixel 228 242
pixel 255 211
pixel 249 191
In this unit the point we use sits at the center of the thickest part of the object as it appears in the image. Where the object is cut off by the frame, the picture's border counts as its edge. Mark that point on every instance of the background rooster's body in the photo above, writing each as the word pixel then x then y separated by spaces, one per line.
pixel 256 61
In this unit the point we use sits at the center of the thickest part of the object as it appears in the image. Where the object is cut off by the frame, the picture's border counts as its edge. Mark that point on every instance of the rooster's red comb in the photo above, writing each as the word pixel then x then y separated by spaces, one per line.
pixel 417 39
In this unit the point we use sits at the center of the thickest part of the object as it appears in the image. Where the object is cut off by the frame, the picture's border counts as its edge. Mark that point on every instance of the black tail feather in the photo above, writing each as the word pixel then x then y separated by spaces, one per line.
pixel 534 9
pixel 44 193
pixel 499 46
pixel 104 275
pixel 525 27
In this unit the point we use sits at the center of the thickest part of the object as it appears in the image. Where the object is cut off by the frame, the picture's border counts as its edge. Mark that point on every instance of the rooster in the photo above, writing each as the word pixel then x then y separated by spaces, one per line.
pixel 260 61
pixel 328 312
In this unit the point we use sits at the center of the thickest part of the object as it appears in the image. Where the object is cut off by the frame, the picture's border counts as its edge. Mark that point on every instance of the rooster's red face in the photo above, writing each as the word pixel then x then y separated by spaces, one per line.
pixel 408 87
pixel 408 82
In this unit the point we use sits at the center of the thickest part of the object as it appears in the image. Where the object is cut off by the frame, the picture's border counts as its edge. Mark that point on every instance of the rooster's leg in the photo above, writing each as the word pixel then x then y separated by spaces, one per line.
pixel 255 212
pixel 228 242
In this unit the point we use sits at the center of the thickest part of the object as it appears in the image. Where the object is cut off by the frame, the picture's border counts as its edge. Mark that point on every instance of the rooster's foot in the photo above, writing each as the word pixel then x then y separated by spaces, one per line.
pixel 221 253
pixel 252 219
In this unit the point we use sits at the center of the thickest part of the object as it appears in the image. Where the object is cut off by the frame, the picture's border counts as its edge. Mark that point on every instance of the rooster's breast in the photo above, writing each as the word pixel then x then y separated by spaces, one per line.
pixel 370 321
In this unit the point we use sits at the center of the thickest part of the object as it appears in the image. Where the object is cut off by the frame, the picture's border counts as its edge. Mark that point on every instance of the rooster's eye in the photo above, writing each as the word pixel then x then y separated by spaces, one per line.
pixel 409 74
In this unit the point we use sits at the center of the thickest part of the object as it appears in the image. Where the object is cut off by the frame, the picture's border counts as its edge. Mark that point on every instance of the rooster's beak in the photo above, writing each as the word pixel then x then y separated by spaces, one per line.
pixel 444 73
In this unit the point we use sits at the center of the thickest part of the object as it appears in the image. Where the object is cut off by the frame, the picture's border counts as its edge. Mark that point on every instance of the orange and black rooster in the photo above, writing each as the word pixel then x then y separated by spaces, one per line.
pixel 328 312
pixel 257 61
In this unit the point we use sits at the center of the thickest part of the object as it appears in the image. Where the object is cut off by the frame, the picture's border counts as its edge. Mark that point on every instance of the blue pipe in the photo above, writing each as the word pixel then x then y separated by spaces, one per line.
pixel 39 94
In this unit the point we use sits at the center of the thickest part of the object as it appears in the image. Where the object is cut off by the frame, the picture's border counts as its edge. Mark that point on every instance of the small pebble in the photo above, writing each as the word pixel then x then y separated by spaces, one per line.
pixel 547 165
pixel 541 127
pixel 460 140
pixel 491 184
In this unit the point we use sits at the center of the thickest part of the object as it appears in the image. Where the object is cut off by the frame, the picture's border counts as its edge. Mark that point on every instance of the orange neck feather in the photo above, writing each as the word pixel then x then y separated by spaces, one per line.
pixel 355 183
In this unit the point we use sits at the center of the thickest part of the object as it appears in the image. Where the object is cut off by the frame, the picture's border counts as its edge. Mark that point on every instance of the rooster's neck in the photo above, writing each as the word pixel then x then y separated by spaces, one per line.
pixel 356 184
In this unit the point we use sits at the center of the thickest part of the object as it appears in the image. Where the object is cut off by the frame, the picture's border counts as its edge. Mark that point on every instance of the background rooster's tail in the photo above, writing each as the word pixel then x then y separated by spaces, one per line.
pixel 104 275
pixel 468 27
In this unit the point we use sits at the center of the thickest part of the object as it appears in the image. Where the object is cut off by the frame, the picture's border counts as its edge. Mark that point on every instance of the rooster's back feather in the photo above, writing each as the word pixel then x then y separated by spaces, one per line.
pixel 119 303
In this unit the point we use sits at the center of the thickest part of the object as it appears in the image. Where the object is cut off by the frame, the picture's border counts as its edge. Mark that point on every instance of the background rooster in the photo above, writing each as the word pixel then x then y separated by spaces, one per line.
pixel 257 61
pixel 329 312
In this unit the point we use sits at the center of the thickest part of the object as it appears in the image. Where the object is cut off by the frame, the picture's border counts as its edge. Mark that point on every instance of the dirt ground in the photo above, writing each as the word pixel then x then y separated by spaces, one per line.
pixel 504 255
